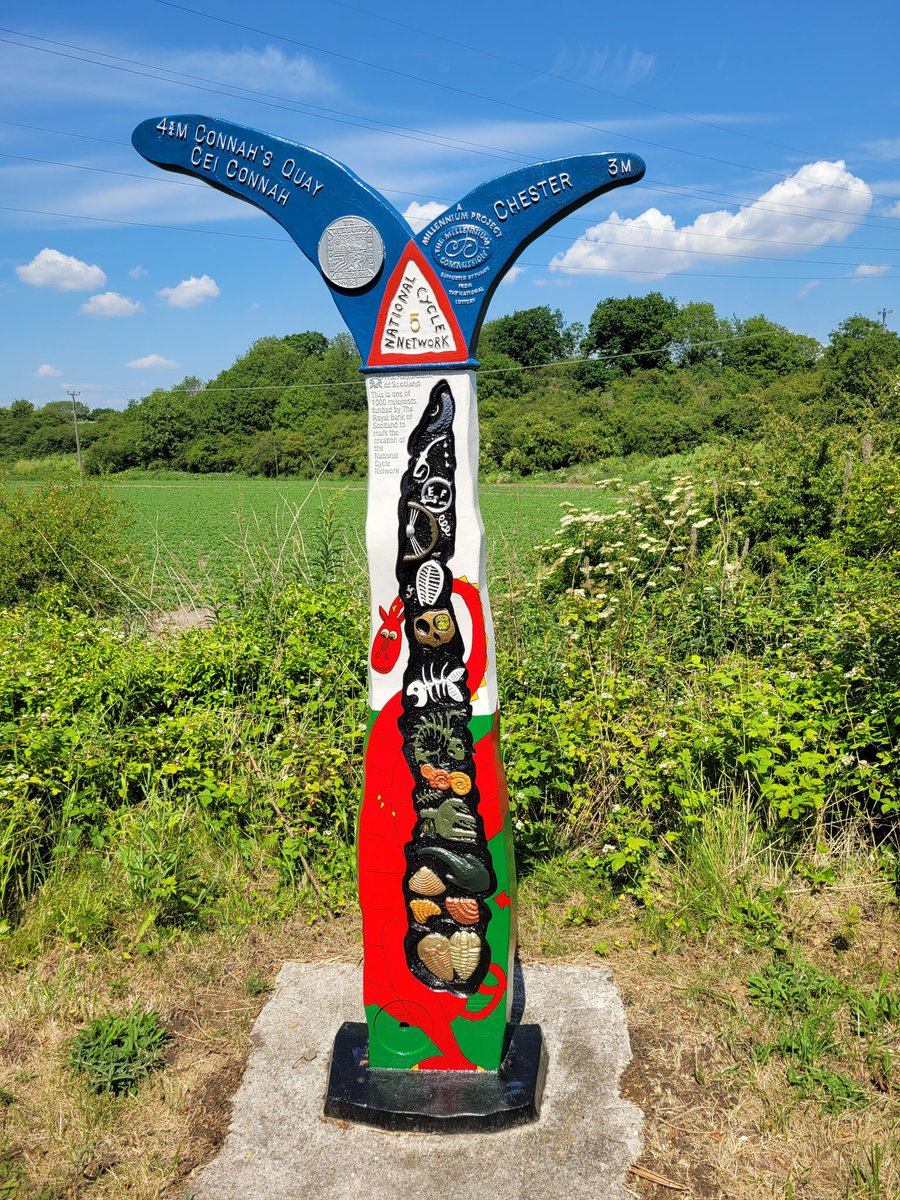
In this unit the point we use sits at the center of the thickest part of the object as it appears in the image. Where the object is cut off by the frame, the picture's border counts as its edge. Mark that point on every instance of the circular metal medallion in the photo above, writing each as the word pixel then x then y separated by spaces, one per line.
pixel 462 247
pixel 351 252
pixel 437 494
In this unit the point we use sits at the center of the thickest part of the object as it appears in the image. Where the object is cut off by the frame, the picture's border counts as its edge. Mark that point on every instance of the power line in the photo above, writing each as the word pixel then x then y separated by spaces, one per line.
pixel 554 236
pixel 579 83
pixel 534 112
pixel 249 95
pixel 645 185
pixel 301 106
pixel 165 178
pixel 593 270
pixel 540 266
pixel 411 134
pixel 563 362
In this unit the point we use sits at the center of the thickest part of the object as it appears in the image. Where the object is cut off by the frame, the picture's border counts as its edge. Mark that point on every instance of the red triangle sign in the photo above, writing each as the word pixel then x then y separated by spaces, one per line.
pixel 416 323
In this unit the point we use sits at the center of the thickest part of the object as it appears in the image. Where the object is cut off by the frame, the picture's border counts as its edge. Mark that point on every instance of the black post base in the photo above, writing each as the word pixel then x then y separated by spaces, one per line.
pixel 436 1101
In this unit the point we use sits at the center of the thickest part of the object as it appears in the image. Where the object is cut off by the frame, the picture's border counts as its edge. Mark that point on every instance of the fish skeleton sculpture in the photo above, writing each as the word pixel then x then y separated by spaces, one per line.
pixel 436 867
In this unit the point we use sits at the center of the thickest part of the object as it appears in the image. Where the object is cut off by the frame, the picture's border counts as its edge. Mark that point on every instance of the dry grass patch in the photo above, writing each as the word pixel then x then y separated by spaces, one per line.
pixel 60 1140
pixel 722 1119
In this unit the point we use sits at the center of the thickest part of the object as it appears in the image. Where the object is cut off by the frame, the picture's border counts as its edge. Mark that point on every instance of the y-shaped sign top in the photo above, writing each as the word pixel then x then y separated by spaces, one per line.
pixel 411 300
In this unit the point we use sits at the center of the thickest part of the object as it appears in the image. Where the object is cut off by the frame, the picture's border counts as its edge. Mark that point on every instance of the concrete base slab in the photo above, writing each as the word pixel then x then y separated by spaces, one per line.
pixel 280 1146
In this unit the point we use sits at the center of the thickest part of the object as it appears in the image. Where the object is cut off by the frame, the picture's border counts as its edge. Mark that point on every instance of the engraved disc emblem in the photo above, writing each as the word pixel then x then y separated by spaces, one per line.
pixel 462 247
pixel 437 494
pixel 351 252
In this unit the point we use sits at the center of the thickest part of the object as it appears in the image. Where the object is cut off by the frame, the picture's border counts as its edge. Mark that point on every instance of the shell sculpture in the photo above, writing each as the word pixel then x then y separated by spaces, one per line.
pixel 429 581
pixel 423 909
pixel 460 782
pixel 435 952
pixel 465 951
pixel 462 909
pixel 426 883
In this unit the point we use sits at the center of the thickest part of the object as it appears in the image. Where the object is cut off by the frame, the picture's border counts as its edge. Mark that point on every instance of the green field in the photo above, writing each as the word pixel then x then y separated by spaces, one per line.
pixel 201 529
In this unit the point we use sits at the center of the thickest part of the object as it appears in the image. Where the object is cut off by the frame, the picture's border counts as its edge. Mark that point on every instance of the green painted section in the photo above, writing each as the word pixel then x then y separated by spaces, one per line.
pixel 480 726
pixel 395 1044
pixel 483 1042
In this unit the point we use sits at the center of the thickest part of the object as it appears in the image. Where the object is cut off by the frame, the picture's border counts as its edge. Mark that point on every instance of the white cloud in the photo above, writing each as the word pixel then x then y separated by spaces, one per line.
pixel 512 275
pixel 190 292
pixel 869 270
pixel 884 148
pixel 110 304
pixel 418 215
pixel 791 211
pixel 137 272
pixel 619 69
pixel 804 290
pixel 290 74
pixel 45 371
pixel 52 268
pixel 39 76
pixel 150 362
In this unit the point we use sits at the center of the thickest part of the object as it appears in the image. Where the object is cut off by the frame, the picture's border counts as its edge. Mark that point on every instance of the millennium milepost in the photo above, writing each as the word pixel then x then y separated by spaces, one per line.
pixel 437 888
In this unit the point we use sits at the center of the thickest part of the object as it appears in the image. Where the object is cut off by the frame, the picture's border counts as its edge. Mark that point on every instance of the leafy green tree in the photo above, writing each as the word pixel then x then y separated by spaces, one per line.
pixel 862 361
pixel 243 398
pixel 632 333
pixel 530 336
pixel 499 378
pixel 765 350
pixel 697 335
pixel 167 420
pixel 116 446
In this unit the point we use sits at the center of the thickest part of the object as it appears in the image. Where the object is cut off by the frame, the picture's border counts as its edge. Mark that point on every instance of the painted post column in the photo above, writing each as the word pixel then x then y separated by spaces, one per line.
pixel 436 866
pixel 436 863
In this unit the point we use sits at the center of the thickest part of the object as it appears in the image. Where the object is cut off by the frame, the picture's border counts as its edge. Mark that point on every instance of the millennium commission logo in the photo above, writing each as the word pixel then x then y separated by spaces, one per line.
pixel 462 247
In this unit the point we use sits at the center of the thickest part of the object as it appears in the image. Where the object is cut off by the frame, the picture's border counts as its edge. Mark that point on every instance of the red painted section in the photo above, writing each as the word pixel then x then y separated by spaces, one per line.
pixel 494 798
pixel 386 823
pixel 377 358
pixel 388 639
pixel 496 991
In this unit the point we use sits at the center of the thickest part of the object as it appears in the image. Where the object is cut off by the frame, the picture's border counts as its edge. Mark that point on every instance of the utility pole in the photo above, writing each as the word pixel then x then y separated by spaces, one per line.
pixel 75 396
pixel 884 313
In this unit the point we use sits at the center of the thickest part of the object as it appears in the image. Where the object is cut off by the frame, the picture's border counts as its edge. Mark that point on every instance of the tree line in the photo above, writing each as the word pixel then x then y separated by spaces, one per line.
pixel 646 375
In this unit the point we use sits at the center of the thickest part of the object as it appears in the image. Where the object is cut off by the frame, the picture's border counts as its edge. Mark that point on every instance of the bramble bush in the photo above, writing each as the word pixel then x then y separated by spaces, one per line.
pixel 62 534
pixel 684 675
pixel 663 688
pixel 97 724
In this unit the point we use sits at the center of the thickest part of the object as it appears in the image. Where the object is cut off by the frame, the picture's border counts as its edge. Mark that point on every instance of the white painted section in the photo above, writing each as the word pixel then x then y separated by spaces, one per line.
pixel 415 324
pixel 396 404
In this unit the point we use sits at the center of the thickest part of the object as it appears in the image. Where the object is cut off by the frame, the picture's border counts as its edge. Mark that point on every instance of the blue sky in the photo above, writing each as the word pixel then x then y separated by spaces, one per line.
pixel 771 136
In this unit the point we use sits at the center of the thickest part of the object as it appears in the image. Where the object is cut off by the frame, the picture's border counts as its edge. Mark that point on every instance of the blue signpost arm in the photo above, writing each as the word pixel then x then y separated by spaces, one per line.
pixel 410 300
pixel 304 190
pixel 475 242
